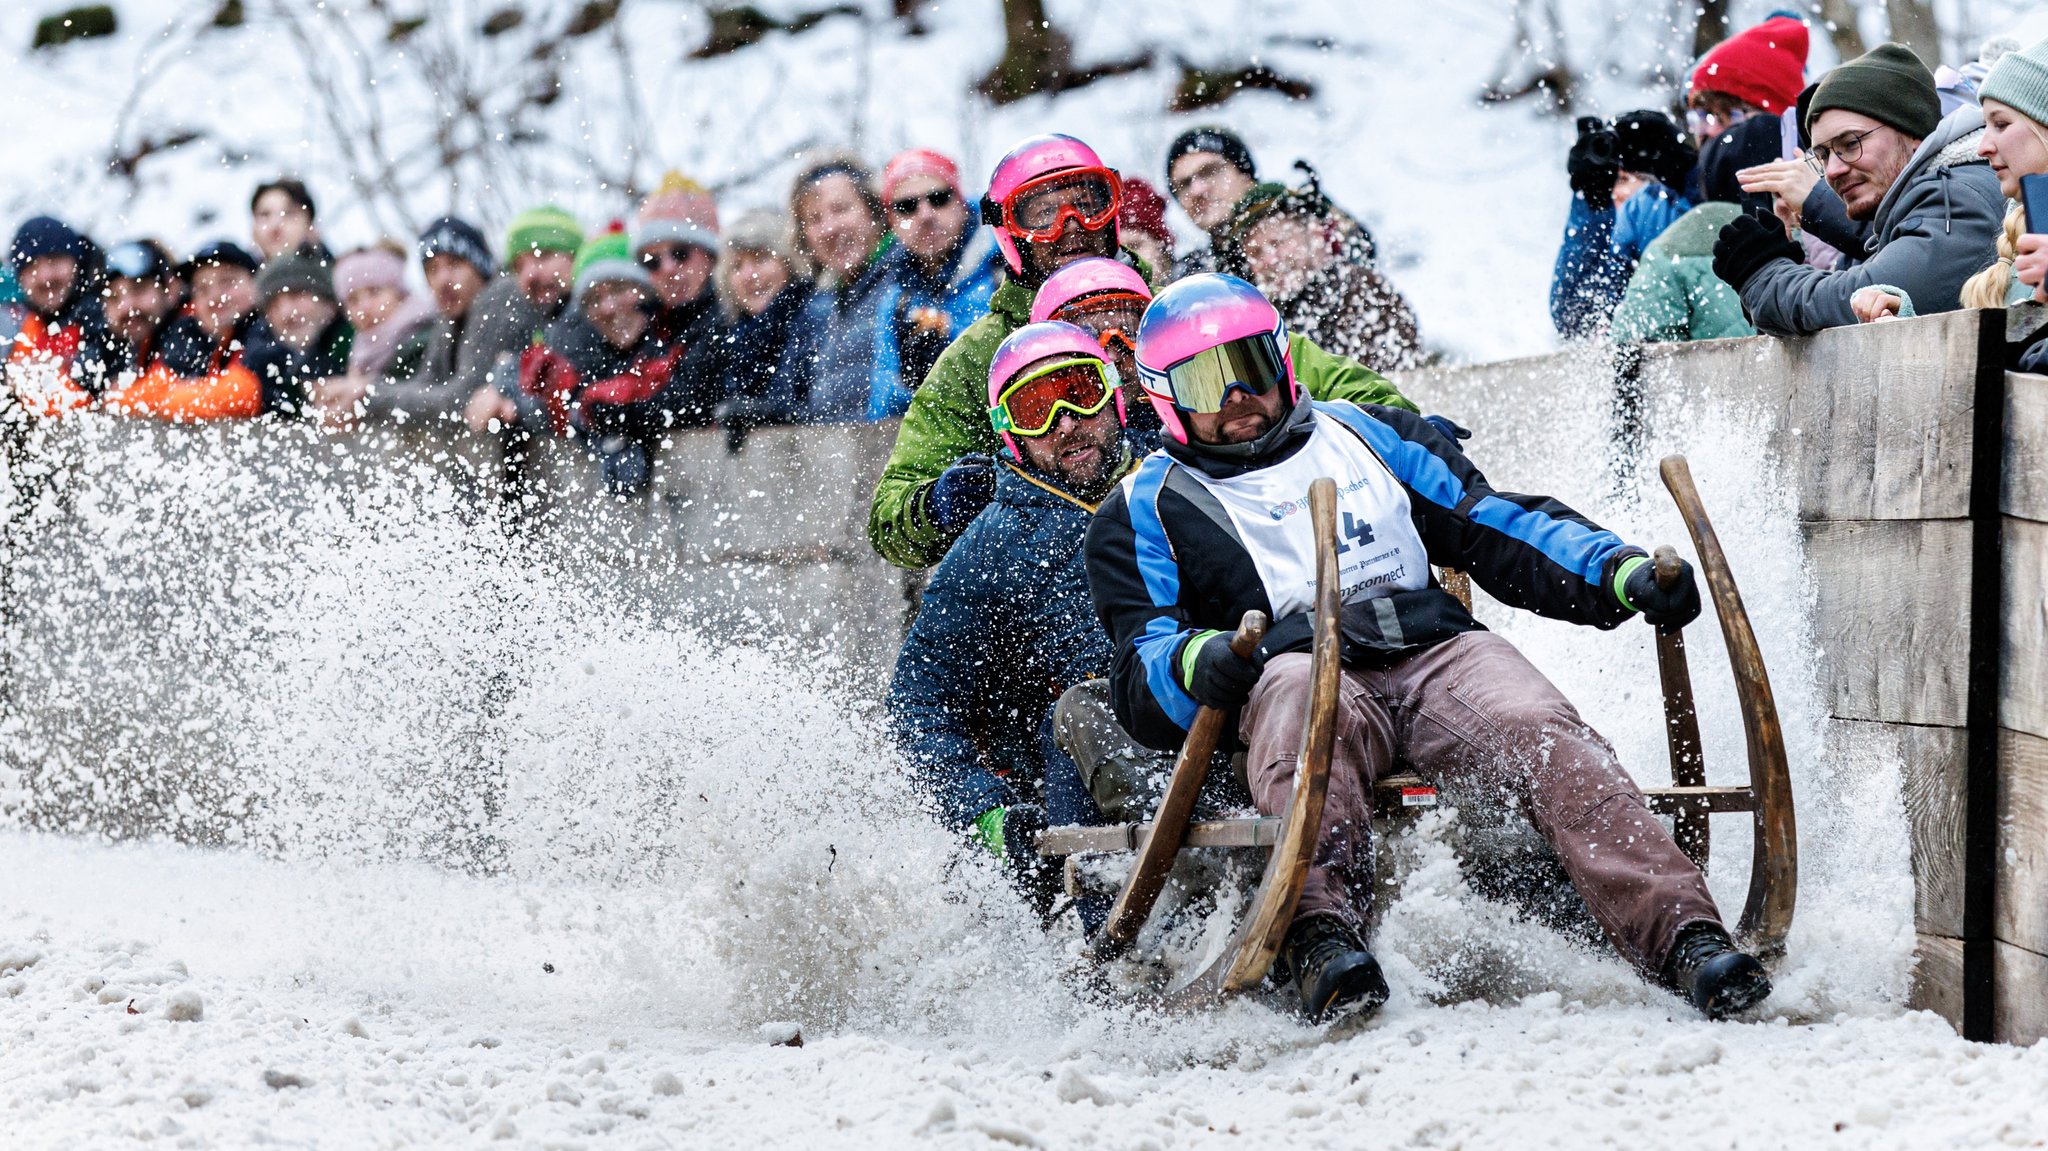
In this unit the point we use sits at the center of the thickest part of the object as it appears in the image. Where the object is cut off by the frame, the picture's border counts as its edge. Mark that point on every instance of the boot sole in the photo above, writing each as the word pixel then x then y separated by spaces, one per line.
pixel 1358 987
pixel 1738 997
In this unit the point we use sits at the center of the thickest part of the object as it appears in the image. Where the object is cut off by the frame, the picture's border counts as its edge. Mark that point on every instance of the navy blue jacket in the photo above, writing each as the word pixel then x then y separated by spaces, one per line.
pixel 1005 627
pixel 1162 567
pixel 1589 278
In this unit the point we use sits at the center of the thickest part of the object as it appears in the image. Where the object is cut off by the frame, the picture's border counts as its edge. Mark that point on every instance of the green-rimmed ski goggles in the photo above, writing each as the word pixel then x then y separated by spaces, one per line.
pixel 1032 403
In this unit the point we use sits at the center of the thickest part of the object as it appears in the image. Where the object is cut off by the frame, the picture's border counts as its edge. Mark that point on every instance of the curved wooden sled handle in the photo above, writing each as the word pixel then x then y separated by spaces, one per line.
pixel 1774 870
pixel 1689 824
pixel 1176 806
pixel 1245 960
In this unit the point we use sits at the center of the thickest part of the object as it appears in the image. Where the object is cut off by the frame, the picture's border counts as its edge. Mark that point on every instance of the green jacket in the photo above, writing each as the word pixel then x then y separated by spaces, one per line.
pixel 948 418
pixel 1674 294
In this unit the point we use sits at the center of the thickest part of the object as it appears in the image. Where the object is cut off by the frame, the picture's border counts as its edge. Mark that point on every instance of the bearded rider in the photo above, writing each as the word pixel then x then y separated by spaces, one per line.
pixel 1005 626
pixel 1215 524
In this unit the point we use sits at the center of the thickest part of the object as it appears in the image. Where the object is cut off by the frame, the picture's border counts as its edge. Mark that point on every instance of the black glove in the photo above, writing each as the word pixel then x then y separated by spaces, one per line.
pixel 1593 162
pixel 960 492
pixel 1221 678
pixel 1451 431
pixel 1747 244
pixel 1667 608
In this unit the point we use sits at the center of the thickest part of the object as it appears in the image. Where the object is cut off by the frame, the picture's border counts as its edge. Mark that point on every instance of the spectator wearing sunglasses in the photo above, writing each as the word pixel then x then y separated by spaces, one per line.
pixel 1933 206
pixel 1006 624
pixel 950 269
pixel 675 237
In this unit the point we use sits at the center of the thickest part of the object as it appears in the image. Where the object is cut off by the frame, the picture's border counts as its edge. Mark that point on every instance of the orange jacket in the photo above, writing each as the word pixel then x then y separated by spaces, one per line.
pixel 232 393
pixel 39 367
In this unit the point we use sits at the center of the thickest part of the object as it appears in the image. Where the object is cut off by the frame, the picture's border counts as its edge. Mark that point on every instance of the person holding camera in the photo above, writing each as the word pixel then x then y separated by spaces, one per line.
pixel 1628 181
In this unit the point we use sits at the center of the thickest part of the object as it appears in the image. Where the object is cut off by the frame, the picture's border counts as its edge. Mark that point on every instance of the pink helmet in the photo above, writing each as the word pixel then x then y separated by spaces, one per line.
pixel 1030 344
pixel 1086 278
pixel 1193 315
pixel 1034 156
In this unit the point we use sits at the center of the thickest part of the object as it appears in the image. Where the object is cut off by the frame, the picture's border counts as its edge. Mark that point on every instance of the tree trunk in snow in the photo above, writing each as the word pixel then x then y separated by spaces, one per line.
pixel 1712 27
pixel 1036 55
pixel 1913 25
pixel 1839 17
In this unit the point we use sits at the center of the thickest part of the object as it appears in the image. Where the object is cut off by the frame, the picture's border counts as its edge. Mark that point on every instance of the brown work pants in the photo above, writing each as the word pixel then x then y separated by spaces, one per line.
pixel 1474 713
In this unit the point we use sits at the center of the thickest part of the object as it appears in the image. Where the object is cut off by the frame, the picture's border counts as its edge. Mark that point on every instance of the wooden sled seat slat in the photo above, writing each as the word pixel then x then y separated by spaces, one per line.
pixel 1264 831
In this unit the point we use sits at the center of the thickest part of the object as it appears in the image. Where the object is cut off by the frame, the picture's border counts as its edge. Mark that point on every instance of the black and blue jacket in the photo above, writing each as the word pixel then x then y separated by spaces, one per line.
pixel 1165 563
pixel 1006 625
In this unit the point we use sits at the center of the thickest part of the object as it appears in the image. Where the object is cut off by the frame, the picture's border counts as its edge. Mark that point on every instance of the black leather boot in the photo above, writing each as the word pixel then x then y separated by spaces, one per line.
pixel 1331 969
pixel 1719 980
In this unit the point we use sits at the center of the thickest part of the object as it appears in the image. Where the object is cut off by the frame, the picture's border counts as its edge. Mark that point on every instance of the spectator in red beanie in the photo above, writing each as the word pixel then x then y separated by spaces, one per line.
pixel 1143 220
pixel 1758 70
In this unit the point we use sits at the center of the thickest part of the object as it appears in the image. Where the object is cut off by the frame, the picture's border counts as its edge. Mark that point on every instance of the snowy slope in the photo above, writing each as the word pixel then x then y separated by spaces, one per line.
pixel 710 848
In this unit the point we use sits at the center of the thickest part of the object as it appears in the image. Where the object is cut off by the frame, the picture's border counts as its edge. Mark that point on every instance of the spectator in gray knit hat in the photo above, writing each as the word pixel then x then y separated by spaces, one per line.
pixel 762 282
pixel 310 338
pixel 1931 205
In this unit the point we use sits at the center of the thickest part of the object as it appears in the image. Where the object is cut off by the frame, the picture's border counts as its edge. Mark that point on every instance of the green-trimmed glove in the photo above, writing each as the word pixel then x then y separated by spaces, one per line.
pixel 1215 675
pixel 1635 586
pixel 1007 832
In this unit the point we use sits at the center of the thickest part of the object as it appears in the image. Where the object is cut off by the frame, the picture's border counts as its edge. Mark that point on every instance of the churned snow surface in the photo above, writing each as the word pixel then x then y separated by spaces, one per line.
pixel 168 997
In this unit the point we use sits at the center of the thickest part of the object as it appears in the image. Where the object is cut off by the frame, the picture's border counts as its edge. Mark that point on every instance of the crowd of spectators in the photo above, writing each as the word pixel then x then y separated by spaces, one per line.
pixel 1883 188
pixel 834 311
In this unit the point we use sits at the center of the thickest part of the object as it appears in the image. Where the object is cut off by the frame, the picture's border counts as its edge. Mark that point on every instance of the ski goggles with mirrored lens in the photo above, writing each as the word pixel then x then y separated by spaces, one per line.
pixel 1201 382
pixel 1033 402
pixel 1038 210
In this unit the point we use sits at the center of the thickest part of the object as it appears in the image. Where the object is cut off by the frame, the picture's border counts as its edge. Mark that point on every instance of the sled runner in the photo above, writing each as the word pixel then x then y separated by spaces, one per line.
pixel 1290 838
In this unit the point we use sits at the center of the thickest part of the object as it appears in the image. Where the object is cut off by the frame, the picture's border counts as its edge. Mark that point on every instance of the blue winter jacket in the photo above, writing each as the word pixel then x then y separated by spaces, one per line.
pixel 905 349
pixel 1005 627
pixel 1587 282
pixel 829 361
pixel 1644 218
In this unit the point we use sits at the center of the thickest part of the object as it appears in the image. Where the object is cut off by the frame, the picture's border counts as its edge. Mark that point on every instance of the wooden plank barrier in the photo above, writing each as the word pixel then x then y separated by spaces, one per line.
pixel 1921 473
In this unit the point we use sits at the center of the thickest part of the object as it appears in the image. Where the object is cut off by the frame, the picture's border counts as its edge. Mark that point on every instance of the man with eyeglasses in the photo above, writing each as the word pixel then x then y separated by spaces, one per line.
pixel 1932 206
pixel 950 267
pixel 1051 203
pixel 1005 627
pixel 1215 525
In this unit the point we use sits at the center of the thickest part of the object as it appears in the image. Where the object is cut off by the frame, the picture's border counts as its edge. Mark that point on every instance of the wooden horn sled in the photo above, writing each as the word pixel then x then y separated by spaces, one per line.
pixel 1290 838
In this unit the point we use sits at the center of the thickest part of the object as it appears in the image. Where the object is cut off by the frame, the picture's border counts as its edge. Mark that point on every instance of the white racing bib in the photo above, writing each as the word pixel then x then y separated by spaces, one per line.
pixel 1378 549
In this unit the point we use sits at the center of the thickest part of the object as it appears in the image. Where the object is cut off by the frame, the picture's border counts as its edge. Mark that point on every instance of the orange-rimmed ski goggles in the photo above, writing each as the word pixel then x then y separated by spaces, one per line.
pixel 1032 403
pixel 1106 302
pixel 1038 210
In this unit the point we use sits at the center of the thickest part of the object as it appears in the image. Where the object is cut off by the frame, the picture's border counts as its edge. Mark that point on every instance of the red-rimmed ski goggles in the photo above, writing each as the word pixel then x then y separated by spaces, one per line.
pixel 1106 302
pixel 1032 403
pixel 1038 209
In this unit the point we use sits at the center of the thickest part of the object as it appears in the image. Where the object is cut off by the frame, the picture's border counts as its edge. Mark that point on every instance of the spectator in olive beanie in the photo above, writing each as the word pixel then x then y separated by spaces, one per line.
pixel 1932 205
pixel 532 291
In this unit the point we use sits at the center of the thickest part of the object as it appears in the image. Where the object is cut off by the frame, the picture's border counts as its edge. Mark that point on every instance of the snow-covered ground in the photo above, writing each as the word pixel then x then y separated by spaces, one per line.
pixel 176 998
pixel 693 853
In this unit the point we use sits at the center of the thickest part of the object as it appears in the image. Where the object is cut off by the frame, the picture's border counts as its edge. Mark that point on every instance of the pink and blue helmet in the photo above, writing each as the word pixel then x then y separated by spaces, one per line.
pixel 1032 157
pixel 1032 343
pixel 1190 317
